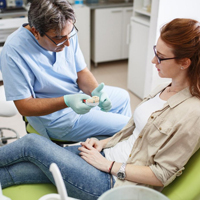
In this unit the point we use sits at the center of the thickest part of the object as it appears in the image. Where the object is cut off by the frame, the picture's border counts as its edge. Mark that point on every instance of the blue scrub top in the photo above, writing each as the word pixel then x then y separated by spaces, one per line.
pixel 30 70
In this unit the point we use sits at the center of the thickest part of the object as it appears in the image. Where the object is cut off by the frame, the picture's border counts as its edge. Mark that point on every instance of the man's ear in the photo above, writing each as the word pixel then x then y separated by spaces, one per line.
pixel 185 62
pixel 35 33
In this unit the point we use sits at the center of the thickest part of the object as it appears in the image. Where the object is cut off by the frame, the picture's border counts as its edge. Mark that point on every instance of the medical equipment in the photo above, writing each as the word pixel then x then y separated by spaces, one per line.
pixel 132 192
pixel 2 197
pixel 7 109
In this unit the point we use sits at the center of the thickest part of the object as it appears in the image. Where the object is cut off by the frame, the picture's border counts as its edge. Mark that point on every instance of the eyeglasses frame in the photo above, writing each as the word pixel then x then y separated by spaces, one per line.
pixel 161 59
pixel 58 44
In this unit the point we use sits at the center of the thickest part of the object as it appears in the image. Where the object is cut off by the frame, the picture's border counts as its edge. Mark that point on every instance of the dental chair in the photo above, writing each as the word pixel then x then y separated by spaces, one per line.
pixel 7 109
pixel 187 186
pixel 184 187
pixel 30 129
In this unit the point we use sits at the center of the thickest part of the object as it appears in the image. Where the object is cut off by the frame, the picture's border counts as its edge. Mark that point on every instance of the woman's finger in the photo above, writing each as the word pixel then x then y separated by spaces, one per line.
pixel 88 140
pixel 88 146
pixel 84 149
pixel 83 154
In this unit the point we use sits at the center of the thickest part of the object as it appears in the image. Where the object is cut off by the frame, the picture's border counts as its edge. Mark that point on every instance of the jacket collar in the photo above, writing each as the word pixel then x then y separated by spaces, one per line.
pixel 175 99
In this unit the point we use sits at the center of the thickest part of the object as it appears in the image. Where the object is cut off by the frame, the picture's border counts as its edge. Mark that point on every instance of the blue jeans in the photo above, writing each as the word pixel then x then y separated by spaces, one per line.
pixel 28 159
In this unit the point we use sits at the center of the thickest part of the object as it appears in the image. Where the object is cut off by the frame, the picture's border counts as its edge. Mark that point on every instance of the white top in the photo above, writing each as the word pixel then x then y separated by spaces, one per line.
pixel 121 151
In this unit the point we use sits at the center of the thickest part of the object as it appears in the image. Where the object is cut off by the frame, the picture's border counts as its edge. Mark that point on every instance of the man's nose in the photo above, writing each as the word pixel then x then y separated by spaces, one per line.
pixel 67 43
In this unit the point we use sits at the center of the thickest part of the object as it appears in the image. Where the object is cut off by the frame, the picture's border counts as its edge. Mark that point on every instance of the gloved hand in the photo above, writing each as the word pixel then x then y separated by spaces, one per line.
pixel 104 101
pixel 75 101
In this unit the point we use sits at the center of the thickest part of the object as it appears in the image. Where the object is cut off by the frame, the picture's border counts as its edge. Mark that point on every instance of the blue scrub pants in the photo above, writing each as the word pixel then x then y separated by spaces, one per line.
pixel 28 159
pixel 97 123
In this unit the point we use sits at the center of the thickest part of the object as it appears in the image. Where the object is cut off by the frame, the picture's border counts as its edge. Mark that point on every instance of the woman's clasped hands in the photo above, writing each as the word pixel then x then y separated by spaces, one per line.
pixel 90 152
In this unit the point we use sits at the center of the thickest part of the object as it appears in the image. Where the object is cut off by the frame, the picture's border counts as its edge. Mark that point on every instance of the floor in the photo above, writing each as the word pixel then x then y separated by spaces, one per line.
pixel 111 73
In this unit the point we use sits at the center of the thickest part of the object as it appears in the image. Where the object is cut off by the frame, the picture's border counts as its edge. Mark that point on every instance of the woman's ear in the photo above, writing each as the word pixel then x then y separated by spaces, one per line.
pixel 185 63
pixel 35 33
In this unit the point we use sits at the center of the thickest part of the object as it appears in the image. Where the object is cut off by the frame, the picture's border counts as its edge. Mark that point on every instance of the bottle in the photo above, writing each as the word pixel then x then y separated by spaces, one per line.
pixel 78 2
pixel 19 3
pixel 10 3
pixel 146 4
pixel 2 4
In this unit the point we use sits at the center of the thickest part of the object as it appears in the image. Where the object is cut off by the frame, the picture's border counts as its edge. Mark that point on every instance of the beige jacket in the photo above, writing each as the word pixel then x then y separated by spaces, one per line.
pixel 170 137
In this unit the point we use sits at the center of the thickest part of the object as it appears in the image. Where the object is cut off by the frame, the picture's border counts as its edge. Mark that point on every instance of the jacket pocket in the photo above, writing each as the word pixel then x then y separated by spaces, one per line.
pixel 160 132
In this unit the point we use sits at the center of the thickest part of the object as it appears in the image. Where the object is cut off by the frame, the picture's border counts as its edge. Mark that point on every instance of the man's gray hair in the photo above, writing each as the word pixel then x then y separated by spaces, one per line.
pixel 47 15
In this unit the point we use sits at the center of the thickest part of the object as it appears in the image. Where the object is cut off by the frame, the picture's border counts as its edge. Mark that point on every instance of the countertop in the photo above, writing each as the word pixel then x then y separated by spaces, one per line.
pixel 14 13
pixel 90 5
pixel 109 5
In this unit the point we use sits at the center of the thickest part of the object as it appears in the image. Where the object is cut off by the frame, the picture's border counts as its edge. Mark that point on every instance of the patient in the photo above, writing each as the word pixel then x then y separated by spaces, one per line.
pixel 150 150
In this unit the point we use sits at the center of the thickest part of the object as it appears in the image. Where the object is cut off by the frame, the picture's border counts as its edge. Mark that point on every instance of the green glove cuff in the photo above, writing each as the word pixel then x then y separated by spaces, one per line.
pixel 65 100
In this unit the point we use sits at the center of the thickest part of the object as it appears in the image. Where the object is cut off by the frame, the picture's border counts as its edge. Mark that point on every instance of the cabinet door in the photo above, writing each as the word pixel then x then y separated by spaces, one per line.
pixel 106 34
pixel 125 33
pixel 9 25
pixel 137 58
pixel 83 25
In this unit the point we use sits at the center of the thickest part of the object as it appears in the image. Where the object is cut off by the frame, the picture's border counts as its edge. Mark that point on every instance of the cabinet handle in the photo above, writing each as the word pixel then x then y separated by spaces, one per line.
pixel 116 11
pixel 128 35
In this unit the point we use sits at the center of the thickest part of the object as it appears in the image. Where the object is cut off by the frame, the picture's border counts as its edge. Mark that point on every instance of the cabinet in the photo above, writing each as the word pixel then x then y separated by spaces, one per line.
pixel 109 33
pixel 143 76
pixel 137 57
pixel 7 26
pixel 10 21
pixel 83 24
pixel 138 44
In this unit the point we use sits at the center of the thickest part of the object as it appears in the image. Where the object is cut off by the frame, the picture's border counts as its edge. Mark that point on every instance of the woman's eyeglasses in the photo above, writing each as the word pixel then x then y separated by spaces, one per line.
pixel 161 59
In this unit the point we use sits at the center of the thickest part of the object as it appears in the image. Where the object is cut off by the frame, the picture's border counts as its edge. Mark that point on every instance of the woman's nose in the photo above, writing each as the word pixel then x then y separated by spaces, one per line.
pixel 154 60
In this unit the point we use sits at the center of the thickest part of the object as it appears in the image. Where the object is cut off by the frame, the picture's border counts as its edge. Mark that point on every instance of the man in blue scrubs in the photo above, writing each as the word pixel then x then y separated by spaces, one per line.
pixel 45 74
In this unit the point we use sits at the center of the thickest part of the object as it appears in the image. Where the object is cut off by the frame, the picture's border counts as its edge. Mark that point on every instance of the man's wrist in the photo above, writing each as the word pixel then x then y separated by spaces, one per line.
pixel 65 100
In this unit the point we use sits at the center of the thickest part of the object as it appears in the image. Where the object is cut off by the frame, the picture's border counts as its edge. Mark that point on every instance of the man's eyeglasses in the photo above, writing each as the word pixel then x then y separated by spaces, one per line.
pixel 73 33
pixel 161 59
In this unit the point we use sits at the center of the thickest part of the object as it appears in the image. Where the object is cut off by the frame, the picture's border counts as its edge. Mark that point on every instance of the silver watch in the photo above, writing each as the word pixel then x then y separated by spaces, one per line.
pixel 121 174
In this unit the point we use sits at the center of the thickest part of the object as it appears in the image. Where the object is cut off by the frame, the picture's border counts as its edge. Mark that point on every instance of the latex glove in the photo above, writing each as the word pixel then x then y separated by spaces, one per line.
pixel 75 101
pixel 104 101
